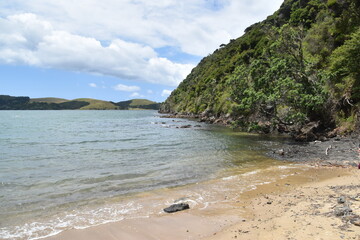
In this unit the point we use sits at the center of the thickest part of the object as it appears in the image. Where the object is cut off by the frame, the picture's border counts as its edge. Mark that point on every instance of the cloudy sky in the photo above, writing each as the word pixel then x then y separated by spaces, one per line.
pixel 114 49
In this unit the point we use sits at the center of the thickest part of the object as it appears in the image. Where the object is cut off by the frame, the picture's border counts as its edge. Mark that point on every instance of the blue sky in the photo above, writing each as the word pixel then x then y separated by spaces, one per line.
pixel 114 50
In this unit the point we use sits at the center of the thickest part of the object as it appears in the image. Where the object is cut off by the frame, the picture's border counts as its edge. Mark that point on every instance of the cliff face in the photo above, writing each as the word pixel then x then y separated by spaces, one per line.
pixel 298 68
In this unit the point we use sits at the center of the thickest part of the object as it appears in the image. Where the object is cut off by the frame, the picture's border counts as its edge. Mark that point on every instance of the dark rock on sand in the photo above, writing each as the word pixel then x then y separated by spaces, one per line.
pixel 342 211
pixel 341 199
pixel 177 207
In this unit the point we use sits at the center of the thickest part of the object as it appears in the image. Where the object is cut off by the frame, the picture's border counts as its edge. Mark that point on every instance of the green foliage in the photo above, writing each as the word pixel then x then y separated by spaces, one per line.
pixel 331 3
pixel 345 66
pixel 280 77
pixel 306 14
pixel 346 123
pixel 319 42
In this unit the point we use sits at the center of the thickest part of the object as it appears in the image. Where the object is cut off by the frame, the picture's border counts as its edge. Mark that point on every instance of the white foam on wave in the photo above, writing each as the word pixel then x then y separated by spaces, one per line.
pixel 254 186
pixel 250 173
pixel 285 167
pixel 76 220
pixel 286 175
pixel 206 204
pixel 296 166
pixel 229 178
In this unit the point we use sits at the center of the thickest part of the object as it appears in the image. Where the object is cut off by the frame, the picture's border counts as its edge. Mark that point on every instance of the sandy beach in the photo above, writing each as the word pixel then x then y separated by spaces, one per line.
pixel 308 211
pixel 312 204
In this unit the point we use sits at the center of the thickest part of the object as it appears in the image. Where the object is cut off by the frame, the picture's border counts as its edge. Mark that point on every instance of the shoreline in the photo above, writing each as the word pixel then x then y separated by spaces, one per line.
pixel 303 133
pixel 239 215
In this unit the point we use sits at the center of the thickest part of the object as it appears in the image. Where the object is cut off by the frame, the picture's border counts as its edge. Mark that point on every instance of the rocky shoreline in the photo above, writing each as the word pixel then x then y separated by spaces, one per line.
pixel 338 151
pixel 327 149
pixel 307 132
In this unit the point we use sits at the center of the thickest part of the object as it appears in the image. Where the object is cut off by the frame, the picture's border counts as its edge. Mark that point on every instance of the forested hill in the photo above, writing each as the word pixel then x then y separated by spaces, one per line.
pixel 26 103
pixel 297 70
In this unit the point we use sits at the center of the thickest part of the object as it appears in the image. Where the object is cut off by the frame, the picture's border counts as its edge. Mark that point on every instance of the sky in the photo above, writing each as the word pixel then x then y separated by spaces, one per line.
pixel 114 50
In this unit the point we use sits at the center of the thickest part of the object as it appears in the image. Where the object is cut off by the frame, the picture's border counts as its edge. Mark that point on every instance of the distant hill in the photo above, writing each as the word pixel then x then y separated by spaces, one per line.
pixel 95 104
pixel 138 104
pixel 49 100
pixel 25 103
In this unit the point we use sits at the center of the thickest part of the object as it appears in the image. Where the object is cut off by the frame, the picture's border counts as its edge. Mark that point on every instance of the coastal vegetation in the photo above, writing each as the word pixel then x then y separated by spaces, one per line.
pixel 298 70
pixel 26 103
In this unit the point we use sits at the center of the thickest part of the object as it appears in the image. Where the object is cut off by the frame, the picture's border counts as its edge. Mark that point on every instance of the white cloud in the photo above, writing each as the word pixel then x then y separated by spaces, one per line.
pixel 150 91
pixel 196 26
pixel 166 93
pixel 119 38
pixel 25 39
pixel 125 88
pixel 93 85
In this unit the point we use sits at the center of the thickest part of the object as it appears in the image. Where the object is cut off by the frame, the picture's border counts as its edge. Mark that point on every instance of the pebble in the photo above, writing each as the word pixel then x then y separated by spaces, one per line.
pixel 341 199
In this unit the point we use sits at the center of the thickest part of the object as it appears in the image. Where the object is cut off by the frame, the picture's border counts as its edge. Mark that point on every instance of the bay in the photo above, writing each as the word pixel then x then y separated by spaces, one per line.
pixel 65 169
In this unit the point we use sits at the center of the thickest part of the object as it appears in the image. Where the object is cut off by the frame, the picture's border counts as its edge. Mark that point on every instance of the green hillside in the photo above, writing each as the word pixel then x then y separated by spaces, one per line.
pixel 298 68
pixel 138 104
pixel 95 104
pixel 48 100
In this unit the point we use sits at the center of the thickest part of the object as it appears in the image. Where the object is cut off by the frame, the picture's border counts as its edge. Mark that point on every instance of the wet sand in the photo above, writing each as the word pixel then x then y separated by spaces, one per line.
pixel 299 205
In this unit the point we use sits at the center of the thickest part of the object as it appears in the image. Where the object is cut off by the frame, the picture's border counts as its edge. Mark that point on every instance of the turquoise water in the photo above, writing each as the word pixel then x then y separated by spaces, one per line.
pixel 60 169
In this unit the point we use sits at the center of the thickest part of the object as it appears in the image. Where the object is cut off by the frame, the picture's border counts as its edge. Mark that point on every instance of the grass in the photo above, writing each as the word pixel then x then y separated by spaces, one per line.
pixel 138 102
pixel 95 104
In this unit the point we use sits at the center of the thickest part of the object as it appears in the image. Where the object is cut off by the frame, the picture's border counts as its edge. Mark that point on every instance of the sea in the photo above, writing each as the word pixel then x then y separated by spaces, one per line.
pixel 63 170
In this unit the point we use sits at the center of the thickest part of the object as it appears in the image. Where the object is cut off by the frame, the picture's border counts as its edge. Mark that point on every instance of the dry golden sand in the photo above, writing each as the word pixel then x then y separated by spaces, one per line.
pixel 301 211
pixel 300 206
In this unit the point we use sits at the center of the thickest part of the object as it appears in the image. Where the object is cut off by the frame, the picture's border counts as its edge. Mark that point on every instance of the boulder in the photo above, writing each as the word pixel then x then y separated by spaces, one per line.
pixel 177 207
